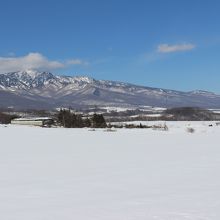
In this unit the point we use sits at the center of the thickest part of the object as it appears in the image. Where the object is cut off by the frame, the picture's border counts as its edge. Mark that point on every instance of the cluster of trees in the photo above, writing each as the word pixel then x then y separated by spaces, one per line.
pixel 68 119
pixel 6 118
pixel 190 114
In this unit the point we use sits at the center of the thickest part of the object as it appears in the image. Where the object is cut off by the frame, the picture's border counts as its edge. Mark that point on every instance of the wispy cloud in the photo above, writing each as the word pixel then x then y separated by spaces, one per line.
pixel 76 62
pixel 11 54
pixel 34 61
pixel 171 48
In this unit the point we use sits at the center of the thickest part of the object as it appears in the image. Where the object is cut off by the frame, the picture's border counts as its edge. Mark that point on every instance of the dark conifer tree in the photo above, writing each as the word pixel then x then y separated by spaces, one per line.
pixel 98 121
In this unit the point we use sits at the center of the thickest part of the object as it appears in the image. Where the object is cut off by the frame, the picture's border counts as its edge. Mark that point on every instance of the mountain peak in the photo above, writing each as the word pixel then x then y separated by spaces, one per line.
pixel 30 72
pixel 25 79
pixel 84 79
pixel 33 73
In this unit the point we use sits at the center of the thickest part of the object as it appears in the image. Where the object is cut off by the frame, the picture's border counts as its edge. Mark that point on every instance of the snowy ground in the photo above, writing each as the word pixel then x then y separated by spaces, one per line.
pixel 68 174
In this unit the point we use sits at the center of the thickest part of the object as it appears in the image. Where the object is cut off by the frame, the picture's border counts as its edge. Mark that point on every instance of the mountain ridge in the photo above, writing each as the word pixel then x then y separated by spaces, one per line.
pixel 46 89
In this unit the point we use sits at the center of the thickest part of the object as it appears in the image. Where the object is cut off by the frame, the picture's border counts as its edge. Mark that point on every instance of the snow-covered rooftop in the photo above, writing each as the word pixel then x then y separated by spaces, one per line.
pixel 33 119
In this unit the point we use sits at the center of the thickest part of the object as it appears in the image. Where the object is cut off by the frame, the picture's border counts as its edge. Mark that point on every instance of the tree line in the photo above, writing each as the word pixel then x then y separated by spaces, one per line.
pixel 6 118
pixel 68 119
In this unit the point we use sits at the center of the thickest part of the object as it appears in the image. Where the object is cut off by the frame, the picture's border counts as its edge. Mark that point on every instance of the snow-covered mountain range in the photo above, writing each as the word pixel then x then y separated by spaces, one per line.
pixel 35 89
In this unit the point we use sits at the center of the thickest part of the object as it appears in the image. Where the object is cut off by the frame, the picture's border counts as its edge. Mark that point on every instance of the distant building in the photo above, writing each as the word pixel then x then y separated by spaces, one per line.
pixel 40 121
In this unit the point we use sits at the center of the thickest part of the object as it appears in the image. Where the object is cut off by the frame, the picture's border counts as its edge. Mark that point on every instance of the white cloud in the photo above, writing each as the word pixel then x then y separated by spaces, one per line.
pixel 34 61
pixel 166 48
pixel 74 62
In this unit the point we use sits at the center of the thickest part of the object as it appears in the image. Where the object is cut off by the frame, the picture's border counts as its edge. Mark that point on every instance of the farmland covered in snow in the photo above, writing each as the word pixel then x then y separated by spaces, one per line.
pixel 131 174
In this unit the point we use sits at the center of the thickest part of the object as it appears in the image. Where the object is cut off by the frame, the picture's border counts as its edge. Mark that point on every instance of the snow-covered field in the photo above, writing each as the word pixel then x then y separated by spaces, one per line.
pixel 131 174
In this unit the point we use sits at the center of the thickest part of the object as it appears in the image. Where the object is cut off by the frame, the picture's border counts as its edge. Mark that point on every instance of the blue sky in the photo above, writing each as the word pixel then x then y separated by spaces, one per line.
pixel 170 44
